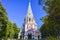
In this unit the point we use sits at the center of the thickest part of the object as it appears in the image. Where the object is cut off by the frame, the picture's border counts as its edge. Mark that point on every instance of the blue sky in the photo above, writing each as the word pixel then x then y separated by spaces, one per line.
pixel 17 10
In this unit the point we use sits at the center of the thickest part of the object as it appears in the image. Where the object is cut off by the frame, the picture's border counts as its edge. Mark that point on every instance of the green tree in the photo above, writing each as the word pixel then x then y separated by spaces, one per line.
pixel 7 28
pixel 51 26
pixel 51 38
pixel 16 30
pixel 3 21
pixel 10 30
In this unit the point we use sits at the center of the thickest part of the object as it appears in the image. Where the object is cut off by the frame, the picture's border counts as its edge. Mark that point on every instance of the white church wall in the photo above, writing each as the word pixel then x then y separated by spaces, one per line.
pixel 30 25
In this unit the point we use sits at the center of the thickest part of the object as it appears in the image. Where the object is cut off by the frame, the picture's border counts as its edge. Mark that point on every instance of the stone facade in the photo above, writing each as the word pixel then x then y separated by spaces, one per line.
pixel 29 30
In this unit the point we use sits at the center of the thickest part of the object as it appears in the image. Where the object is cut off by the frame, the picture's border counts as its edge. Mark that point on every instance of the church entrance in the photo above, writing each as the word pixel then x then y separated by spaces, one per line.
pixel 29 36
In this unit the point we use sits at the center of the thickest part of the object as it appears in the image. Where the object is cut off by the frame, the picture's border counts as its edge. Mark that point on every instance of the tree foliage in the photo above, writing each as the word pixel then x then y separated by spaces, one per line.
pixel 51 26
pixel 7 28
pixel 3 21
pixel 16 30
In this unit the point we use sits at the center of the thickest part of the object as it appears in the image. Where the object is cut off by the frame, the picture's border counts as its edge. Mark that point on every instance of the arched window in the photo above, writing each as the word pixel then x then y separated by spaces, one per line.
pixel 29 19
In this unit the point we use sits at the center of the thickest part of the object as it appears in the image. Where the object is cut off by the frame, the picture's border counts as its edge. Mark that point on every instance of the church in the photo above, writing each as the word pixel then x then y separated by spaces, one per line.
pixel 29 30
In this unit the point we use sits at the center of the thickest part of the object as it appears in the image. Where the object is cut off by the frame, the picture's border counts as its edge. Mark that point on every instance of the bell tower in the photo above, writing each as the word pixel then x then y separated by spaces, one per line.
pixel 29 20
